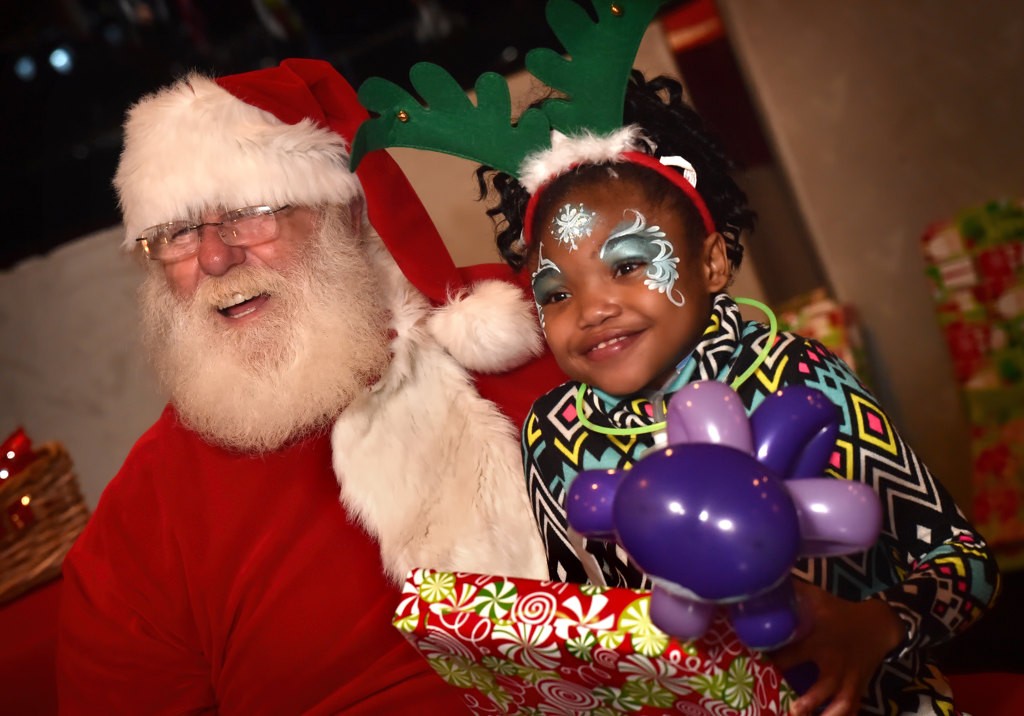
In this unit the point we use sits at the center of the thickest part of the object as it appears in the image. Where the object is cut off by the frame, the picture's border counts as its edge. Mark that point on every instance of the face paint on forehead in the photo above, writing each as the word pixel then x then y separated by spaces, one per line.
pixel 572 223
pixel 636 241
pixel 635 227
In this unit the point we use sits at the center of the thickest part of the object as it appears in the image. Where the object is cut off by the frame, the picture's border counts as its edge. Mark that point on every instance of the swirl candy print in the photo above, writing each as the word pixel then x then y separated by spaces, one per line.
pixel 518 646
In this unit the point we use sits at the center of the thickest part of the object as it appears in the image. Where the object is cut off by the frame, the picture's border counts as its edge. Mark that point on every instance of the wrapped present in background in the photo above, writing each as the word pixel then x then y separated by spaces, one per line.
pixel 975 263
pixel 834 325
pixel 519 646
pixel 976 267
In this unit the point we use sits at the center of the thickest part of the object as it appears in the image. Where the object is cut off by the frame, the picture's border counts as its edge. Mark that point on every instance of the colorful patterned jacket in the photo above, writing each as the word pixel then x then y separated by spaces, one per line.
pixel 929 564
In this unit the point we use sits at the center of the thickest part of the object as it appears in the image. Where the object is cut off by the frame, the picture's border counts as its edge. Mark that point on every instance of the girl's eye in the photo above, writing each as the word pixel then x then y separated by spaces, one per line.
pixel 548 286
pixel 555 297
pixel 624 268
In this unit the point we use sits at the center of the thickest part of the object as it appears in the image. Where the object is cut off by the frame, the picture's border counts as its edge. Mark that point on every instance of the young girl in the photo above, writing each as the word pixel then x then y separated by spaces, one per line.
pixel 630 241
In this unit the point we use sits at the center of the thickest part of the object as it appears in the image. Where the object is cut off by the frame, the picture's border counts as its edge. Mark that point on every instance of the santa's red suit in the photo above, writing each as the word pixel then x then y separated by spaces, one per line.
pixel 214 581
pixel 208 580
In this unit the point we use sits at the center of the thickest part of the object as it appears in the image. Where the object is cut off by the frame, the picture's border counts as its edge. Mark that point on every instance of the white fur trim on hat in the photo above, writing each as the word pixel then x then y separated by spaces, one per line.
pixel 490 329
pixel 540 167
pixel 193 147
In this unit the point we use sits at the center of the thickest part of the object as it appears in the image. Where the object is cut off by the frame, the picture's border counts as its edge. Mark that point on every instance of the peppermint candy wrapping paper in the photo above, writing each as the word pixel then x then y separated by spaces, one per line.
pixel 519 646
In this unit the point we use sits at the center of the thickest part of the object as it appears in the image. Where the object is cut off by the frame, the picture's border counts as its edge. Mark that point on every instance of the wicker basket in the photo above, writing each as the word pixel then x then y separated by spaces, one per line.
pixel 41 515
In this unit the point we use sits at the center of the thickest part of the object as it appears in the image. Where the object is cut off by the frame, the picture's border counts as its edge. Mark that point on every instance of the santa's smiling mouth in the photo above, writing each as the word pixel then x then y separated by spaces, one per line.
pixel 240 305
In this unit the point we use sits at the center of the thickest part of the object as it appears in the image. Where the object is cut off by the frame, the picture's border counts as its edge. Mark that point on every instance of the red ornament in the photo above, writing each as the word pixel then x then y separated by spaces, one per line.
pixel 16 454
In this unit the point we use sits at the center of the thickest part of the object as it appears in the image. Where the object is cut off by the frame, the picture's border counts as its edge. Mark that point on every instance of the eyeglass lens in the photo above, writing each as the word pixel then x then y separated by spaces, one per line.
pixel 241 227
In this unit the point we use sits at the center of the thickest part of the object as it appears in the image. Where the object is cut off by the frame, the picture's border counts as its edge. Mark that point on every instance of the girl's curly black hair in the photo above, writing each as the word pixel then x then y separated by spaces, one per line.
pixel 675 128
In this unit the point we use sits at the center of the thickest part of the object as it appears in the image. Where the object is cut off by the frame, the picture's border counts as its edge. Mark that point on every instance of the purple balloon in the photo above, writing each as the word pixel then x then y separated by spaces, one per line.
pixel 795 431
pixel 680 616
pixel 709 412
pixel 836 516
pixel 708 518
pixel 588 503
pixel 766 621
pixel 712 519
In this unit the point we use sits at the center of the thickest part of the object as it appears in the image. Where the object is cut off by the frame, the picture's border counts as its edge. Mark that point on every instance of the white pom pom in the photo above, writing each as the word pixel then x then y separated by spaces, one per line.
pixel 490 329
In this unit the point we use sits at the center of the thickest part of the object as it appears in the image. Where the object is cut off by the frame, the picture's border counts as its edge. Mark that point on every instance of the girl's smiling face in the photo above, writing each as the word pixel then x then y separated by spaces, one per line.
pixel 622 292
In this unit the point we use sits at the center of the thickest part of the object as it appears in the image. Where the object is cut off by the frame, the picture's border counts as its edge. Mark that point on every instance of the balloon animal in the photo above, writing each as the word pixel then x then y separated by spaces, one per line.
pixel 719 516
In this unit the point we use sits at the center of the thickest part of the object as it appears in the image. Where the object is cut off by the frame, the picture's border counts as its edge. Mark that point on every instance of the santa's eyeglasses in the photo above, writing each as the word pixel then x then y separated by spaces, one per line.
pixel 177 240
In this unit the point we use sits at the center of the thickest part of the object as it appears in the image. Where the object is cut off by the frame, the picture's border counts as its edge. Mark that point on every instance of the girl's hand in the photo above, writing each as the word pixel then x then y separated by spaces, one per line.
pixel 847 640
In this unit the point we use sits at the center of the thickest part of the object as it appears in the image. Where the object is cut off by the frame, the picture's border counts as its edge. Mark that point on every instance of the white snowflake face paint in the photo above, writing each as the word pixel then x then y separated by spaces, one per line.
pixel 635 240
pixel 546 282
pixel 571 224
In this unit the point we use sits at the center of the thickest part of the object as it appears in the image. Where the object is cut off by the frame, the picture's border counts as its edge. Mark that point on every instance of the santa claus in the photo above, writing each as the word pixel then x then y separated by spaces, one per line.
pixel 310 330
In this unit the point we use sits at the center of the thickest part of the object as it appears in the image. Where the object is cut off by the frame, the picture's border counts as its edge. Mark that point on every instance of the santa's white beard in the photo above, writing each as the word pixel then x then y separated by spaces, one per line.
pixel 318 342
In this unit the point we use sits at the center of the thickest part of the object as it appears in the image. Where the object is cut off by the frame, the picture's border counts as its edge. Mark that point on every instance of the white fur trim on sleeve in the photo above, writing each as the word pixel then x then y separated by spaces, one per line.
pixel 434 472
pixel 430 468
pixel 490 329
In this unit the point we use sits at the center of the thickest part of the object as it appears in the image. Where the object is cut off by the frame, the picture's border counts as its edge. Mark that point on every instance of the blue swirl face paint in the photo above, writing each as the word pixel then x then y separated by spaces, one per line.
pixel 546 282
pixel 636 241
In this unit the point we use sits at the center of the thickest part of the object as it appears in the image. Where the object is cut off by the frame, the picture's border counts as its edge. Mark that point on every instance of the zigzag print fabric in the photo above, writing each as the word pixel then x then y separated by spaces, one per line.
pixel 929 564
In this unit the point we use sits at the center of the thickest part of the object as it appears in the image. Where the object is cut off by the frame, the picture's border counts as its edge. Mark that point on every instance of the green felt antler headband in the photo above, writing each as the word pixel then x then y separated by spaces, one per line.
pixel 592 79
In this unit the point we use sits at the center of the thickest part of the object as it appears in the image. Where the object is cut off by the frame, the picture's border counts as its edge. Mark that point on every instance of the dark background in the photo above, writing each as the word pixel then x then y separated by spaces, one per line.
pixel 71 68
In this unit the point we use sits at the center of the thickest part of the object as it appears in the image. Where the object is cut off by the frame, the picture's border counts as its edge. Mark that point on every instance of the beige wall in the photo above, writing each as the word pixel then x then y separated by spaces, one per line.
pixel 886 117
pixel 71 369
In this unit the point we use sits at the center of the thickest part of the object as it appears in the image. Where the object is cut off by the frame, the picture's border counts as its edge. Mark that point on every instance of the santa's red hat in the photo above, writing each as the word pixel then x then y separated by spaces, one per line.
pixel 274 136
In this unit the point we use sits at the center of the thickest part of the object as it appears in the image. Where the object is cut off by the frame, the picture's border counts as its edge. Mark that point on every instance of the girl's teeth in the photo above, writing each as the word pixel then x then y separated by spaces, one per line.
pixel 604 344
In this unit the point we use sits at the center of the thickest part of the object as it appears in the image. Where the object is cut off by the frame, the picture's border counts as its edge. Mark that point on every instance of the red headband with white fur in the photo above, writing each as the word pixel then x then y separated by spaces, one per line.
pixel 568 153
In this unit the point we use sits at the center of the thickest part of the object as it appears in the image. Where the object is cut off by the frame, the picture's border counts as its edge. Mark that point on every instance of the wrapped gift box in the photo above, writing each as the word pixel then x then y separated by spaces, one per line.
pixel 975 262
pixel 519 646
pixel 815 315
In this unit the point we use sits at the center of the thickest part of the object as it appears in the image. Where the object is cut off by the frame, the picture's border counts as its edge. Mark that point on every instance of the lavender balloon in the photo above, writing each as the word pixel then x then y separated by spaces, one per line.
pixel 716 518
